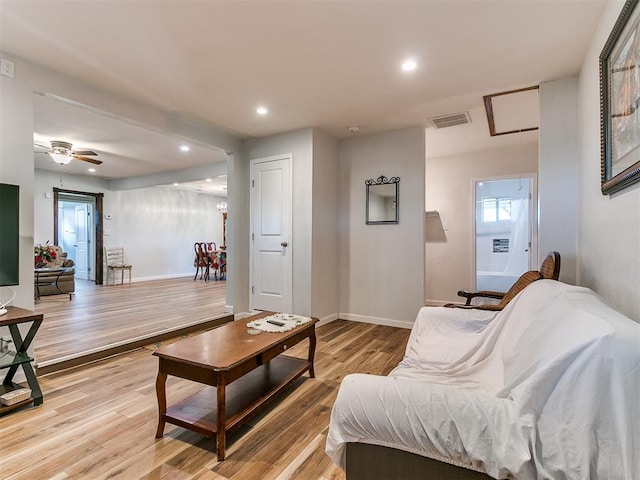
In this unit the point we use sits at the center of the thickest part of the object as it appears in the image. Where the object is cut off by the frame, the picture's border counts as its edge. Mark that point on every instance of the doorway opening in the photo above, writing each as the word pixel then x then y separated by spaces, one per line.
pixel 505 231
pixel 77 228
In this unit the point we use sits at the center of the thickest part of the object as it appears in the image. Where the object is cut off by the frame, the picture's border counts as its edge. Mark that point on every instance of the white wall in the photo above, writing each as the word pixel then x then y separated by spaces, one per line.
pixel 300 144
pixel 16 168
pixel 559 174
pixel 157 226
pixel 609 233
pixel 238 233
pixel 382 266
pixel 324 275
pixel 449 190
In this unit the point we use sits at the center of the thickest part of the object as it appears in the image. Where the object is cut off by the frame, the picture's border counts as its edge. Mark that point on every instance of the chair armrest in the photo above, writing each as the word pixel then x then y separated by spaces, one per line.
pixel 68 263
pixel 457 305
pixel 482 294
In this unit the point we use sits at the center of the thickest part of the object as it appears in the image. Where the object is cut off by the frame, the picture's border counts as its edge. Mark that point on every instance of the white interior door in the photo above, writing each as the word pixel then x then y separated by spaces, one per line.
pixel 271 260
pixel 82 240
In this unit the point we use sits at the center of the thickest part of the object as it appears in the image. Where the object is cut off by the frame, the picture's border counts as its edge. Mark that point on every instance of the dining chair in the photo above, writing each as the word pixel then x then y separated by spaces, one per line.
pixel 202 262
pixel 115 260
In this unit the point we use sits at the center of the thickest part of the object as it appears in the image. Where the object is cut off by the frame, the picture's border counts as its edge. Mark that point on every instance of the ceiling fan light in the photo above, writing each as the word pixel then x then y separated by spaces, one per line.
pixel 60 158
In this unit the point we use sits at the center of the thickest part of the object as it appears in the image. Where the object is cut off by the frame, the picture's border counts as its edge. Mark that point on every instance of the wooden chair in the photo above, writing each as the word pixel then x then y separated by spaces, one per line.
pixel 222 259
pixel 202 262
pixel 212 253
pixel 550 270
pixel 114 258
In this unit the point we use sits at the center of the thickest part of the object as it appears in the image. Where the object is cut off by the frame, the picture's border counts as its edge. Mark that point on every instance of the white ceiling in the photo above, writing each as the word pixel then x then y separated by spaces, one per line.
pixel 326 64
pixel 125 148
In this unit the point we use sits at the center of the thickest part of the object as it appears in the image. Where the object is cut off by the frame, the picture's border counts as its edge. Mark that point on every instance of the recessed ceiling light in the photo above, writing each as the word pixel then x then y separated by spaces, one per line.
pixel 92 170
pixel 409 65
pixel 184 148
pixel 262 111
pixel 209 180
pixel 175 184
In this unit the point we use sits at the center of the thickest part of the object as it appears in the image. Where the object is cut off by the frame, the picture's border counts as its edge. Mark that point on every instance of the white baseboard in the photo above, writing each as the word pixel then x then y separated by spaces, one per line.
pixel 377 320
pixel 156 277
pixel 439 303
pixel 328 319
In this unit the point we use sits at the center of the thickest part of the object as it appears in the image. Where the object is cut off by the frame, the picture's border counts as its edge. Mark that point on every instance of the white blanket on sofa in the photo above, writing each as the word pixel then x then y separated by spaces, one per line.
pixel 547 388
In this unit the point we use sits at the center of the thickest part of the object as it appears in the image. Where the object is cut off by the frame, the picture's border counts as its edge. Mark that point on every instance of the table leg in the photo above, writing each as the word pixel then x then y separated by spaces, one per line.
pixel 58 284
pixel 221 439
pixel 22 347
pixel 37 280
pixel 36 393
pixel 161 393
pixel 312 351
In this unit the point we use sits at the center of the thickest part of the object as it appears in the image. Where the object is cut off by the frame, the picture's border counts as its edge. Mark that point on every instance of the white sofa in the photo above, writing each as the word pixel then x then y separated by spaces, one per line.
pixel 548 388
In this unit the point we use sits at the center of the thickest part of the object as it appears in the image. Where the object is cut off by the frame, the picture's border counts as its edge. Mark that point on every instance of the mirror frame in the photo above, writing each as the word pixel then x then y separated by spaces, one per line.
pixel 382 180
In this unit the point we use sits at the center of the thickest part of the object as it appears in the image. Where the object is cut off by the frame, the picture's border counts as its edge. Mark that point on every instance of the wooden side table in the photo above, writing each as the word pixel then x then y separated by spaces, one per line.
pixel 20 358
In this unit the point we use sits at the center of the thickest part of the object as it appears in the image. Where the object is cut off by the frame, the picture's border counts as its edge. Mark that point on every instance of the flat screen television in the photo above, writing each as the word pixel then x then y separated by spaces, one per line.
pixel 9 234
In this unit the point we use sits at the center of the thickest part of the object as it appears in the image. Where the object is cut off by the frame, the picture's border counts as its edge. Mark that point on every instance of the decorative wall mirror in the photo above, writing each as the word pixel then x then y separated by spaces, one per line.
pixel 382 200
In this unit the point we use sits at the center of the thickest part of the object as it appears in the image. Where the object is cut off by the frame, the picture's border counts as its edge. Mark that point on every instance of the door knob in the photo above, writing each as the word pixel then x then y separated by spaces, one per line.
pixel 284 244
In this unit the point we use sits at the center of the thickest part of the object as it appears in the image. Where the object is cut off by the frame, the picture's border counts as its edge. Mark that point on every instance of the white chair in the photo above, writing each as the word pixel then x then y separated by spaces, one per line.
pixel 114 258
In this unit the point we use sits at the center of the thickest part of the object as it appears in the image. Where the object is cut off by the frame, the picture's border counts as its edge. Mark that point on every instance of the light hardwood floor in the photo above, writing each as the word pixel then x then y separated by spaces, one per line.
pixel 100 316
pixel 99 421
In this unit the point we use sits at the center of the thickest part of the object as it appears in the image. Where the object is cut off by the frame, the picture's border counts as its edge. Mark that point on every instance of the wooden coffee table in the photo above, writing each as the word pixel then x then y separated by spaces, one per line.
pixel 247 370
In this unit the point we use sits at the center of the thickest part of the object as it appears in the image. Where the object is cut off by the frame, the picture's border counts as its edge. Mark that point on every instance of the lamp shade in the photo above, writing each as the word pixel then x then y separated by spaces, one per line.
pixel 60 158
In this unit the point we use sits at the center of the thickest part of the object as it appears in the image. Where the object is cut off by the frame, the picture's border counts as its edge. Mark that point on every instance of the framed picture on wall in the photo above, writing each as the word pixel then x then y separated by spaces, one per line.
pixel 620 102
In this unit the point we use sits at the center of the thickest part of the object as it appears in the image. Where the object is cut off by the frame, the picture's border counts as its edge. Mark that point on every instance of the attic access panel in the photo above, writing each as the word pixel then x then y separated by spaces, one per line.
pixel 513 111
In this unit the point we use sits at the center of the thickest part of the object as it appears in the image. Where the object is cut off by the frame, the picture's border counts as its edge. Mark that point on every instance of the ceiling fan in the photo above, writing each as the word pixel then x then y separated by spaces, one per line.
pixel 62 153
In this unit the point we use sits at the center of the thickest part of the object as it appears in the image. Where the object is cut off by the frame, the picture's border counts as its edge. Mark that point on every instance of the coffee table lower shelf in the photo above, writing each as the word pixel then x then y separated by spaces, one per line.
pixel 244 397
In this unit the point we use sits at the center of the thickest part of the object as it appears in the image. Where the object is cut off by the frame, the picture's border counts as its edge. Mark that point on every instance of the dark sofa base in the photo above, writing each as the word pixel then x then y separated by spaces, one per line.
pixel 367 462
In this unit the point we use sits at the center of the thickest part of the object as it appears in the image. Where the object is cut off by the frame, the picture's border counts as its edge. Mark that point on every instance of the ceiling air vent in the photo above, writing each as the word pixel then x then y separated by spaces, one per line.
pixel 452 120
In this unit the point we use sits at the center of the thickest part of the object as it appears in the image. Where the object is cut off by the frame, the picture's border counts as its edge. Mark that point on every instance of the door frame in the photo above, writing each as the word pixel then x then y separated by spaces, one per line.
pixel 98 226
pixel 252 163
pixel 533 215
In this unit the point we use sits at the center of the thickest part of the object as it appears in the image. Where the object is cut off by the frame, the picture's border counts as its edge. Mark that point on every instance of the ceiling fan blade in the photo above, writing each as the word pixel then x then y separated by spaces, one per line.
pixel 84 152
pixel 85 159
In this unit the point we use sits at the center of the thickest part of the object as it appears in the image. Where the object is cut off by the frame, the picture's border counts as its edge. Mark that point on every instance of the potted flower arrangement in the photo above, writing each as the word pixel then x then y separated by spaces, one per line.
pixel 44 254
